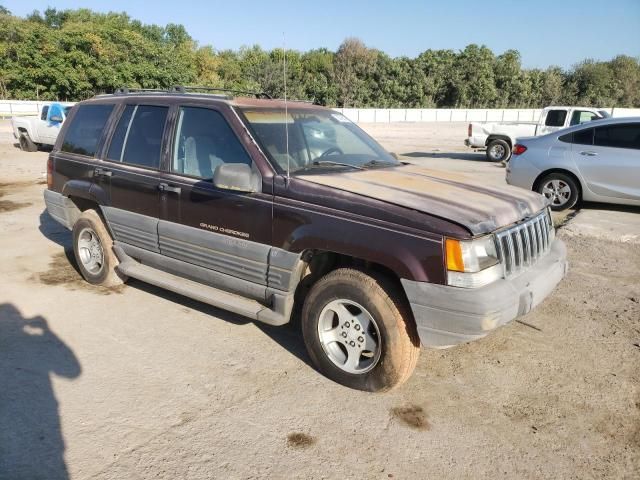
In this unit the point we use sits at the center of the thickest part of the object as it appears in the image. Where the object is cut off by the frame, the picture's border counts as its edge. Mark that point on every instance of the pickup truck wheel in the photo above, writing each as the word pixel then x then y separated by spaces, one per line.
pixel 560 189
pixel 26 144
pixel 93 248
pixel 359 332
pixel 498 151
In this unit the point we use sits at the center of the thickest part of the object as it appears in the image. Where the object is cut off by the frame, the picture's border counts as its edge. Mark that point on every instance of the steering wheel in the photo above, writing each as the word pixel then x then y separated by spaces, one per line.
pixel 330 151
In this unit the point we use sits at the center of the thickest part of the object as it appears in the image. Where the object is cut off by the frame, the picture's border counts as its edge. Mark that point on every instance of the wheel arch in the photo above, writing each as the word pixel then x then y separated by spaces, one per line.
pixel 506 138
pixel 542 175
pixel 322 262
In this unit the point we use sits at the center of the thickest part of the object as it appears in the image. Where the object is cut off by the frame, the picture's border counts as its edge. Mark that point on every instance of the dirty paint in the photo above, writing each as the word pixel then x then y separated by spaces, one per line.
pixel 480 208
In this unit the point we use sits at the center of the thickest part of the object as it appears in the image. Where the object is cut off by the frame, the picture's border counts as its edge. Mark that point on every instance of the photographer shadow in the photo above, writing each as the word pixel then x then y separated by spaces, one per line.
pixel 31 442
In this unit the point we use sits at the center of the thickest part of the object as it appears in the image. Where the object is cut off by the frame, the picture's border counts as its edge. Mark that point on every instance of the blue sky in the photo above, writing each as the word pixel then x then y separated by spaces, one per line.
pixel 559 32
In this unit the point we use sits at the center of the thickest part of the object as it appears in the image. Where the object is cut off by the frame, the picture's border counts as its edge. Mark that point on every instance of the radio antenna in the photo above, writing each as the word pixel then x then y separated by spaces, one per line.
pixel 286 111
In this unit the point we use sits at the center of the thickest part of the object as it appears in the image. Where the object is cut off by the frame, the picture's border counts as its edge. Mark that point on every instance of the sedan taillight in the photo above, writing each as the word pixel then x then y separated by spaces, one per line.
pixel 519 149
pixel 469 130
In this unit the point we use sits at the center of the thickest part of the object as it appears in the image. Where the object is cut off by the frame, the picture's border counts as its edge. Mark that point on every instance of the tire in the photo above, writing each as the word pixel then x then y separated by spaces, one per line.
pixel 26 144
pixel 93 249
pixel 390 347
pixel 561 189
pixel 498 151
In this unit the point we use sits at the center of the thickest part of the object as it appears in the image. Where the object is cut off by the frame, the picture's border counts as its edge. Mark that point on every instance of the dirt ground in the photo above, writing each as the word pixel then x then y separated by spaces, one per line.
pixel 140 383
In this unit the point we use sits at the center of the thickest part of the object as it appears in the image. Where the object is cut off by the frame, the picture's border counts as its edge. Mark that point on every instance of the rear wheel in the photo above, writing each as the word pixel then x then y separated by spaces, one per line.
pixel 560 189
pixel 498 151
pixel 359 331
pixel 93 249
pixel 26 144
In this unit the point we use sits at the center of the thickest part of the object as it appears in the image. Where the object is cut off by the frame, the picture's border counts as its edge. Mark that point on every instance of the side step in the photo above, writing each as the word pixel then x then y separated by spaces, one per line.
pixel 197 291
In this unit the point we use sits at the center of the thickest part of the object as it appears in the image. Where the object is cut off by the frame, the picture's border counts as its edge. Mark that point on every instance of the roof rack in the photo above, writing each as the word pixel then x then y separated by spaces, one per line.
pixel 188 89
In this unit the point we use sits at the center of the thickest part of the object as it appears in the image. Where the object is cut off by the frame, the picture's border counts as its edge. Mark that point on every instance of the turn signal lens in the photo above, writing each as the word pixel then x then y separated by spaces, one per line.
pixel 454 255
pixel 519 149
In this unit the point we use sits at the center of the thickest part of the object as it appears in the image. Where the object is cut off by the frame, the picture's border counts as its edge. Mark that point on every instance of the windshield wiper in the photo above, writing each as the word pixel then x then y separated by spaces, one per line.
pixel 377 163
pixel 337 164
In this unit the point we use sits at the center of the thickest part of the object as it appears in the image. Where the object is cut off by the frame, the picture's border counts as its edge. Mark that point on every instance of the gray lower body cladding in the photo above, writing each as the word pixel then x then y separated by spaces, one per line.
pixel 61 208
pixel 447 316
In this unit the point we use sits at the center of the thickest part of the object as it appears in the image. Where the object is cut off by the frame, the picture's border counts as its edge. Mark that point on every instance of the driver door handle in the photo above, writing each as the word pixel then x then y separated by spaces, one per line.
pixel 589 153
pixel 101 172
pixel 164 187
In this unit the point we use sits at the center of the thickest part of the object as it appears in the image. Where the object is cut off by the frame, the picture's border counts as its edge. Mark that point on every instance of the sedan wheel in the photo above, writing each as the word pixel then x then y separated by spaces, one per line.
pixel 557 191
pixel 560 189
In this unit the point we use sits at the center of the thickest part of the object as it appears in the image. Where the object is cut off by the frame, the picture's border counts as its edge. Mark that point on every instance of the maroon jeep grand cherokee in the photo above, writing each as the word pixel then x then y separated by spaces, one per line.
pixel 255 206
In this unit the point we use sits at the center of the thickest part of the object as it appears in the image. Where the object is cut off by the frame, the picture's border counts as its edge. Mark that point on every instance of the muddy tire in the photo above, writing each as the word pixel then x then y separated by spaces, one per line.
pixel 498 151
pixel 93 249
pixel 560 189
pixel 359 330
pixel 26 144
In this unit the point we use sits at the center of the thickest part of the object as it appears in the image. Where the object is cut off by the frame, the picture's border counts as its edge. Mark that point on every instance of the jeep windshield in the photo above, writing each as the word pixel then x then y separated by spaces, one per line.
pixel 317 140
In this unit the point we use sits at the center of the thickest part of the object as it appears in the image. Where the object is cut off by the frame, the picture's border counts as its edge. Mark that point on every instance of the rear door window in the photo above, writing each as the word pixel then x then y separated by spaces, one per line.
pixel 84 132
pixel 555 118
pixel 618 136
pixel 138 136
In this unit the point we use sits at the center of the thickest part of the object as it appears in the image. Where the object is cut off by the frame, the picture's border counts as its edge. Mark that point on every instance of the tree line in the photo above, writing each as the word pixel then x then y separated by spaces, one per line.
pixel 75 54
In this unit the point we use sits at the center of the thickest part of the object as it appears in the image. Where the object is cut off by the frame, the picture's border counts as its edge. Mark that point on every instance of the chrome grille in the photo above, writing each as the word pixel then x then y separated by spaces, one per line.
pixel 521 245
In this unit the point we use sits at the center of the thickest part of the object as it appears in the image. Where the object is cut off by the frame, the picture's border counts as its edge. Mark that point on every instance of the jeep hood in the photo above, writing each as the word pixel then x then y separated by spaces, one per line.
pixel 476 206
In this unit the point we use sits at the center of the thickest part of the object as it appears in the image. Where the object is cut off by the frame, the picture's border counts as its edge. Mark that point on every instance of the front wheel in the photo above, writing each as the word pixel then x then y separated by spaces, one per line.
pixel 498 151
pixel 359 330
pixel 560 189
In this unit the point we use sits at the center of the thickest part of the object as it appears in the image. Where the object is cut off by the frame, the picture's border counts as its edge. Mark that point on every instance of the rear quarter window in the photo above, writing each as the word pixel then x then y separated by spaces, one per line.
pixel 581 137
pixel 84 131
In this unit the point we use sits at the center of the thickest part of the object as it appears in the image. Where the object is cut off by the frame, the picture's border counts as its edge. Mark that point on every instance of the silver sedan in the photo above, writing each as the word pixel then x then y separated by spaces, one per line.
pixel 597 162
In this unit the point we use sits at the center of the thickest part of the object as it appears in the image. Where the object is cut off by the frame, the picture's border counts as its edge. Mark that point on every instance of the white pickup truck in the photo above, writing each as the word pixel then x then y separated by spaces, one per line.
pixel 35 130
pixel 499 137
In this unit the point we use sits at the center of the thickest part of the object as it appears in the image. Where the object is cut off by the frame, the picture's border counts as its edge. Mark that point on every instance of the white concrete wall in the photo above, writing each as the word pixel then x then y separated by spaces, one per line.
pixel 393 115
pixel 10 108
pixel 379 115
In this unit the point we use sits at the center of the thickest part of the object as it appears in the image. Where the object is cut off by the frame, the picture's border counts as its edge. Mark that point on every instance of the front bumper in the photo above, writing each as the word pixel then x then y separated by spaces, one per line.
pixel 446 316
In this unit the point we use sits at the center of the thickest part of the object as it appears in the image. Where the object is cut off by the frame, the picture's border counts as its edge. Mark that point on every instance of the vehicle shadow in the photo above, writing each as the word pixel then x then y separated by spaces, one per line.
pixel 287 336
pixel 53 231
pixel 611 207
pixel 469 156
pixel 31 442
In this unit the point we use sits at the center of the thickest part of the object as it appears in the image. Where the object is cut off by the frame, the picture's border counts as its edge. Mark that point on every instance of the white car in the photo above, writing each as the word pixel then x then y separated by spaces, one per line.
pixel 35 130
pixel 599 162
pixel 498 137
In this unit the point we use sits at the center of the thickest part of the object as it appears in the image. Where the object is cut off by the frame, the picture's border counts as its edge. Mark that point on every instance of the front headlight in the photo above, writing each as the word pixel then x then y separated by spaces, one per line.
pixel 472 263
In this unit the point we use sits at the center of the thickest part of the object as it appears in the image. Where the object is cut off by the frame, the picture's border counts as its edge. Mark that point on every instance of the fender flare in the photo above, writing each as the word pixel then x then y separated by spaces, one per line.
pixel 405 257
pixel 86 190
pixel 506 138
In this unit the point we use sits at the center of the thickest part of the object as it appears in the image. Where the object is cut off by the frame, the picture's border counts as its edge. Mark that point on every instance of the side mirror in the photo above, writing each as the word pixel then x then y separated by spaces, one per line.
pixel 235 176
pixel 55 119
